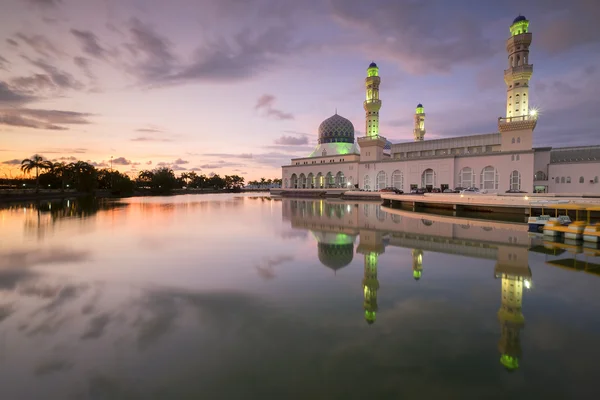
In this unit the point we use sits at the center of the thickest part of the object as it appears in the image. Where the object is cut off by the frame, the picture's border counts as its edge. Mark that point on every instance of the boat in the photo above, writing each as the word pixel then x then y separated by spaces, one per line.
pixel 536 224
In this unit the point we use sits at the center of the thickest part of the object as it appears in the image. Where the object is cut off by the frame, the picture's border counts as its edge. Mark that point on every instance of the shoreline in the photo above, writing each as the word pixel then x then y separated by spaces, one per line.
pixel 104 194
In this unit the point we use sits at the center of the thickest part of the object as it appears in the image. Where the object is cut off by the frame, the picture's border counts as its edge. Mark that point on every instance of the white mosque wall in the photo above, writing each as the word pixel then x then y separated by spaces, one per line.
pixel 574 177
pixel 496 173
pixel 349 170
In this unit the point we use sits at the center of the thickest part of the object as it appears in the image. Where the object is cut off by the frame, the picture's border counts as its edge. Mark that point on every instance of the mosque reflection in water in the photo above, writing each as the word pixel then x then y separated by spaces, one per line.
pixel 336 227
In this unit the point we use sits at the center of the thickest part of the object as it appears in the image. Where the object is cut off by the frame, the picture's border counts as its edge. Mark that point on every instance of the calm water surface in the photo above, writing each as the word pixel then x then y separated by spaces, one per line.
pixel 242 297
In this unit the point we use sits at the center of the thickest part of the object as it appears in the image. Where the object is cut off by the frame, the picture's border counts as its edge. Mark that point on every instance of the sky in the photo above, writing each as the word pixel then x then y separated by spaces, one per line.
pixel 241 86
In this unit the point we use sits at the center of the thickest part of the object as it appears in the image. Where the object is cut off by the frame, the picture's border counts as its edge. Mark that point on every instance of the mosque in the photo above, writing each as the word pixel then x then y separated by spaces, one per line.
pixel 494 162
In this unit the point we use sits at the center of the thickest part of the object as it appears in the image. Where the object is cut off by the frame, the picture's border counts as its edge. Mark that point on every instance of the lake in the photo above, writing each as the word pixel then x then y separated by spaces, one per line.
pixel 249 297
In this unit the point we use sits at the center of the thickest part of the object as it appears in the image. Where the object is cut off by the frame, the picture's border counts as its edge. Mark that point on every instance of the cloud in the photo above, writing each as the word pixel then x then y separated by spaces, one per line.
pixel 70 158
pixel 291 140
pixel 40 44
pixel 52 366
pixel 412 35
pixel 179 161
pixel 229 155
pixel 572 25
pixel 153 53
pixel 98 164
pixel 12 162
pixel 266 268
pixel 290 150
pixel 84 64
pixel 150 139
pixel 3 63
pixel 61 79
pixel 176 167
pixel 149 130
pixel 41 119
pixel 12 42
pixel 11 97
pixel 148 162
pixel 77 150
pixel 121 161
pixel 89 43
pixel 221 164
pixel 45 3
pixel 96 327
pixel 265 103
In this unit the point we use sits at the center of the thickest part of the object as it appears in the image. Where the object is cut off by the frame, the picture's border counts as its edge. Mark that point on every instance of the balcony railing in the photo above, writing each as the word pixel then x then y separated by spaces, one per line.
pixel 503 120
pixel 371 137
pixel 519 69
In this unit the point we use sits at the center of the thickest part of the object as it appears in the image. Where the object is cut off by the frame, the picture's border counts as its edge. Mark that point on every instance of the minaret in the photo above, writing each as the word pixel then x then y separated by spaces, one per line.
pixel 512 266
pixel 419 130
pixel 417 263
pixel 372 145
pixel 371 246
pixel 519 70
pixel 517 127
pixel 511 320
pixel 372 103
pixel 370 286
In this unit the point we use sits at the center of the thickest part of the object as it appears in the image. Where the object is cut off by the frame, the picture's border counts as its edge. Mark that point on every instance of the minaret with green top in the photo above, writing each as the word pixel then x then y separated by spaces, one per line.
pixel 417 263
pixel 370 286
pixel 419 129
pixel 372 103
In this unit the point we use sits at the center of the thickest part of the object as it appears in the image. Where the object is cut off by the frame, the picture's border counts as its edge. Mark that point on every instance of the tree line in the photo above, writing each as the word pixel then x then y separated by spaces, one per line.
pixel 265 183
pixel 85 177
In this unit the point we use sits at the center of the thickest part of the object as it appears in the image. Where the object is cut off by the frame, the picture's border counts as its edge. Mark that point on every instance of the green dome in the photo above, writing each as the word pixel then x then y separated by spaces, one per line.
pixel 335 256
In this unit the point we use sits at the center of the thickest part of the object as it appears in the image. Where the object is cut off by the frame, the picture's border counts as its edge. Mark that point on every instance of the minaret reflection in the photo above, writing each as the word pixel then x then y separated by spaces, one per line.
pixel 371 245
pixel 417 263
pixel 513 268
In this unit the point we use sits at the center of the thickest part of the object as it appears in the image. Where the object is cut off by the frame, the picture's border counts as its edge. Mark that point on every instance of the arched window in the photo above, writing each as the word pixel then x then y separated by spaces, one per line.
pixel 303 181
pixel 562 179
pixel 396 218
pixel 340 180
pixel 540 176
pixel 310 181
pixel 294 179
pixel 581 180
pixel 320 181
pixel 367 183
pixel 381 180
pixel 397 179
pixel 329 180
pixel 568 179
pixel 515 180
pixel 519 139
pixel 513 140
pixel 285 183
pixel 465 177
pixel 428 178
pixel 489 178
pixel 595 179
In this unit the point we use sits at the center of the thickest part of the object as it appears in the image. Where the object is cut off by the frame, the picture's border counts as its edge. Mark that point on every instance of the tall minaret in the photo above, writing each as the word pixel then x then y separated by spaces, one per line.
pixel 417 263
pixel 511 320
pixel 419 130
pixel 370 286
pixel 519 70
pixel 372 103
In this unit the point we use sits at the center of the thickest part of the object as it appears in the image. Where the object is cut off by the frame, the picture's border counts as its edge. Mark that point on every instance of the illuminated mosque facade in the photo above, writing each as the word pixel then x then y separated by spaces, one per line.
pixel 495 162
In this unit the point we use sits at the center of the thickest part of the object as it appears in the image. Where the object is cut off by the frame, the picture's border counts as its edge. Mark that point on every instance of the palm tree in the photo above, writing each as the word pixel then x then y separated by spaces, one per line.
pixel 62 171
pixel 37 162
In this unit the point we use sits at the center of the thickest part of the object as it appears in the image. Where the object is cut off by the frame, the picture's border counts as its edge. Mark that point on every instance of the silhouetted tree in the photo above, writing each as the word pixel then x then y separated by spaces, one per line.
pixel 38 163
